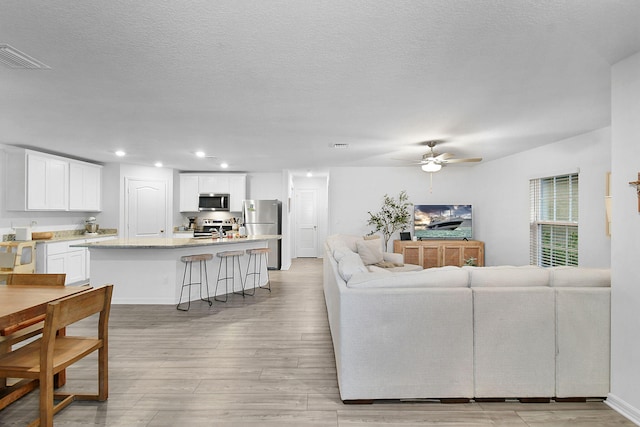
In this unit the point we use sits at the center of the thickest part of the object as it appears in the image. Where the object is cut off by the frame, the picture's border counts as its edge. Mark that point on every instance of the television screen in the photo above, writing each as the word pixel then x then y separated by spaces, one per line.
pixel 442 222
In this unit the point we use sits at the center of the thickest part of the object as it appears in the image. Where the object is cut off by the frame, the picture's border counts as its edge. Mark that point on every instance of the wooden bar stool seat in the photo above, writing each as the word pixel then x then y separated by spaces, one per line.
pixel 188 260
pixel 259 258
pixel 227 257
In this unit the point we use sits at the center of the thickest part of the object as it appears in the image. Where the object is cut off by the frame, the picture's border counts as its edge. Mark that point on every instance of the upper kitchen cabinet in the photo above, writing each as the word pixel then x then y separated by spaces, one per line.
pixel 85 185
pixel 213 183
pixel 43 182
pixel 237 191
pixel 192 184
pixel 46 183
pixel 189 192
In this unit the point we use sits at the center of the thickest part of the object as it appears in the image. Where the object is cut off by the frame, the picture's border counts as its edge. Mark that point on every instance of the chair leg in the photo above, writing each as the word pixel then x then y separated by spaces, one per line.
pixel 204 280
pixel 46 400
pixel 184 277
pixel 233 267
pixel 103 373
pixel 226 291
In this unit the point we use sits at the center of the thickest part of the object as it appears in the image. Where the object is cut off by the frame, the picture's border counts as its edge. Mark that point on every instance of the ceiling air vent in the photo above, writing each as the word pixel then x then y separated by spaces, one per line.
pixel 13 58
pixel 339 145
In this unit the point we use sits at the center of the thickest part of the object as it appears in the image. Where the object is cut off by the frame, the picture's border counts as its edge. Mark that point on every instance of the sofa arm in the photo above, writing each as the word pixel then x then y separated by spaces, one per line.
pixel 393 257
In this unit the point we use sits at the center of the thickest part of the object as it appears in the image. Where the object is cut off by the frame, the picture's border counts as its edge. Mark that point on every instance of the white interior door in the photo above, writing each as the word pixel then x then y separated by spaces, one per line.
pixel 306 223
pixel 146 214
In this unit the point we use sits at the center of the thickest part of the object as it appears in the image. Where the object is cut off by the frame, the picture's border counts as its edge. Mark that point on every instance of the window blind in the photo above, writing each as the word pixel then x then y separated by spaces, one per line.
pixel 554 220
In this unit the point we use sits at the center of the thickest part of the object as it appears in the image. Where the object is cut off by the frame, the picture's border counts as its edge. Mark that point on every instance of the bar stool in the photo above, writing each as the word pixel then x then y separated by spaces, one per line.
pixel 188 263
pixel 259 257
pixel 234 258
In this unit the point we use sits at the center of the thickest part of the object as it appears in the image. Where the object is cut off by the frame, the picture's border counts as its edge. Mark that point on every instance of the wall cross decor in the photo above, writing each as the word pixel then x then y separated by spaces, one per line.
pixel 637 185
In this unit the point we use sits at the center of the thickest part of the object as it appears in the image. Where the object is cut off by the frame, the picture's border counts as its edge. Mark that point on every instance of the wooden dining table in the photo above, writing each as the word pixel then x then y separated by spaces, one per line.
pixel 19 304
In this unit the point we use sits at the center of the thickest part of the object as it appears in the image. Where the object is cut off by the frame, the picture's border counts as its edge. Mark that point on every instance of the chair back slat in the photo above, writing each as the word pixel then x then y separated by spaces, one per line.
pixel 65 311
pixel 37 279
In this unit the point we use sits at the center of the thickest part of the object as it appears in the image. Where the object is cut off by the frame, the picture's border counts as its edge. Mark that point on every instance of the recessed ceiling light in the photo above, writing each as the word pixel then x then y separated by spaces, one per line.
pixel 309 174
pixel 224 165
pixel 120 153
pixel 200 154
pixel 158 164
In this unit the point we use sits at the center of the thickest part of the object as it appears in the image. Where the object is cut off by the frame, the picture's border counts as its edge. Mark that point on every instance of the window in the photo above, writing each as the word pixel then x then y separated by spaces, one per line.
pixel 554 221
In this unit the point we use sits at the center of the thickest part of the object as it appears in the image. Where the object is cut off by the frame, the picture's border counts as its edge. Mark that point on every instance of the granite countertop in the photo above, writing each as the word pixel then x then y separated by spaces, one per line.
pixel 171 243
pixel 70 235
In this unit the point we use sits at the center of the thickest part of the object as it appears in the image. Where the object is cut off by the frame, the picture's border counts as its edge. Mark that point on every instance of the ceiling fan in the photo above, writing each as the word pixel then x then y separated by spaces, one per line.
pixel 433 162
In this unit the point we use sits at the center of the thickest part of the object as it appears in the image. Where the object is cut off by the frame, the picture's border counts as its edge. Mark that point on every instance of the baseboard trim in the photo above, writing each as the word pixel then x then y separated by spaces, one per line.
pixel 623 408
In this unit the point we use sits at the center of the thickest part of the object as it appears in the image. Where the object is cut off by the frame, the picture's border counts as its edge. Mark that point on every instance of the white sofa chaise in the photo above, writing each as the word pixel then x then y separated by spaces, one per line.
pixel 455 333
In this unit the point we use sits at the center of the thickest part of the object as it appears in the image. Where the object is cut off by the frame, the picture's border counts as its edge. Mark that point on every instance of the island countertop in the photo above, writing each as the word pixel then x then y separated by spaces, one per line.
pixel 170 243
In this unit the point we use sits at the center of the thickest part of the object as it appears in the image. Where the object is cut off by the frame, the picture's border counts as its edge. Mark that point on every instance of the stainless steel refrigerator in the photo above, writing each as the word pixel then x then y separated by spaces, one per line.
pixel 265 217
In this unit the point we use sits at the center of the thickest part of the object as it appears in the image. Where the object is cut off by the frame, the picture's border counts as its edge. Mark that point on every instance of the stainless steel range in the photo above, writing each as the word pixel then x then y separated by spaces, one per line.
pixel 210 226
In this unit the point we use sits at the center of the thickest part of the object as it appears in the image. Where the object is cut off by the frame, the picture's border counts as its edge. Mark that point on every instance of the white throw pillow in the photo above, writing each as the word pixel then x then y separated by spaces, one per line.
pixel 370 251
pixel 349 265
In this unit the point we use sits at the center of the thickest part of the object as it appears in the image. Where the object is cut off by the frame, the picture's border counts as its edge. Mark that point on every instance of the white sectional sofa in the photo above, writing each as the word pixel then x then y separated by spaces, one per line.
pixel 466 333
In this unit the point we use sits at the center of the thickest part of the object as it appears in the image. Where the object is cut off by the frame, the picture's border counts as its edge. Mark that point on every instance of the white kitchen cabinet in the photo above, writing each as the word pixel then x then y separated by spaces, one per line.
pixel 191 185
pixel 85 186
pixel 237 191
pixel 62 257
pixel 47 179
pixel 214 183
pixel 44 182
pixel 59 257
pixel 189 192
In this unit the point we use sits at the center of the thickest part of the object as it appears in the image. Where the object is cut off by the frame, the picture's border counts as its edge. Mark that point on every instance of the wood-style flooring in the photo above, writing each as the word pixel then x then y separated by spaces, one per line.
pixel 263 360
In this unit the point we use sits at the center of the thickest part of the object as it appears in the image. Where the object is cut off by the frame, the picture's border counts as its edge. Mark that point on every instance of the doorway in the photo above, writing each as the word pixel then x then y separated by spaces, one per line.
pixel 145 208
pixel 310 215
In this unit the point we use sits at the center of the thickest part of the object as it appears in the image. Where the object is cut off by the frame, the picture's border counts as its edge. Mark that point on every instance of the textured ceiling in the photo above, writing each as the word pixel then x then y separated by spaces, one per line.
pixel 270 85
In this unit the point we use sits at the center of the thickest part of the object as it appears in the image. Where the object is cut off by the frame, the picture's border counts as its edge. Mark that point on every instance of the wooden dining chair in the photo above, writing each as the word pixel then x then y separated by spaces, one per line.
pixel 42 359
pixel 36 279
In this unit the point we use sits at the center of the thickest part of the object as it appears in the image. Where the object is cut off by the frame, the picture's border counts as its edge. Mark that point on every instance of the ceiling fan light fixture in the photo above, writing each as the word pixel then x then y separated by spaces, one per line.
pixel 431 167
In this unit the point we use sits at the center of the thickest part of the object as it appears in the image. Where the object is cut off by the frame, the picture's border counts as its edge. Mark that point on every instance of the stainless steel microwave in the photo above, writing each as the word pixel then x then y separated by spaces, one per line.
pixel 213 202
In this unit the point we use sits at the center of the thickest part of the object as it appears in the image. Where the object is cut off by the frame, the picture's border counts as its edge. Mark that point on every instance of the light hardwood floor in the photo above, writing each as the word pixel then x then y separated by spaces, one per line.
pixel 265 360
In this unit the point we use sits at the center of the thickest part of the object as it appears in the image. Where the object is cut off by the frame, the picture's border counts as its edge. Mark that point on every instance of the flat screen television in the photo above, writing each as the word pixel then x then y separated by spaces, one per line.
pixel 442 222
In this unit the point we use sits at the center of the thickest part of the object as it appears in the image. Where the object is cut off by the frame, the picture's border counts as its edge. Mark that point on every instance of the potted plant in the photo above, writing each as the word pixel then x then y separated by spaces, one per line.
pixel 393 216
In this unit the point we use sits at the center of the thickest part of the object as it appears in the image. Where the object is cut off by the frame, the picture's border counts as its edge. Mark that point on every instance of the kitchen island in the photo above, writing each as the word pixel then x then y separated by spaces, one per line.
pixel 149 270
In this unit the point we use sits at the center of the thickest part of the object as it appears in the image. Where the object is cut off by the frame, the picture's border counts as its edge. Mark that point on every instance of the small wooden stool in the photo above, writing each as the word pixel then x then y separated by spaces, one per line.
pixel 188 262
pixel 225 258
pixel 259 257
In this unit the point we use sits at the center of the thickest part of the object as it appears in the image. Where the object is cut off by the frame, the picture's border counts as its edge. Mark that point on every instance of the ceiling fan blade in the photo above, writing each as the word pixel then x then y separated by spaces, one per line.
pixel 475 159
pixel 443 156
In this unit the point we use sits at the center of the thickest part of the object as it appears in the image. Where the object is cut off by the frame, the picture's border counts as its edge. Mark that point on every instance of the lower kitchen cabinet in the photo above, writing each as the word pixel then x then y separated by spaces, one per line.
pixel 62 257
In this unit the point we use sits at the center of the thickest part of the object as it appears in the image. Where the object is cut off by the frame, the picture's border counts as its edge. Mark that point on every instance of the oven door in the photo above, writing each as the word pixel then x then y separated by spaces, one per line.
pixel 213 202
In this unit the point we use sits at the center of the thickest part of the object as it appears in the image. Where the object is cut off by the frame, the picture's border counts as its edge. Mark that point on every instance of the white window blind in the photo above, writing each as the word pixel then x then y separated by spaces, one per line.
pixel 554 220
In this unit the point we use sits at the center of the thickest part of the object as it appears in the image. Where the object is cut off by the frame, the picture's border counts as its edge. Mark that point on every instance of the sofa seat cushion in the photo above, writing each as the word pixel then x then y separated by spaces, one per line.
pixel 508 276
pixel 579 277
pixel 442 277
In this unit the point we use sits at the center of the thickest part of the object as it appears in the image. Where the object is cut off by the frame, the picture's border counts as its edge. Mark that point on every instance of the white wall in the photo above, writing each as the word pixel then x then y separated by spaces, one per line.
pixel 264 186
pixel 625 269
pixel 501 218
pixel 498 191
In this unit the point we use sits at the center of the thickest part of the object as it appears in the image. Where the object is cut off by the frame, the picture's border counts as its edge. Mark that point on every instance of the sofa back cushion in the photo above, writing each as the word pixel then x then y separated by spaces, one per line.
pixel 580 277
pixel 443 277
pixel 511 276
